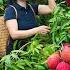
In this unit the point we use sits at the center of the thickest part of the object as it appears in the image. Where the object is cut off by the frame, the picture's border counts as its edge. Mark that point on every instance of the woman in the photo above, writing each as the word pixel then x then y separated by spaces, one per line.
pixel 25 25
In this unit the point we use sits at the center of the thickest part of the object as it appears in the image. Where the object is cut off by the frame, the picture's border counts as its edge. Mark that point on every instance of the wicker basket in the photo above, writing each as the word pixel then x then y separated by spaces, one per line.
pixel 4 34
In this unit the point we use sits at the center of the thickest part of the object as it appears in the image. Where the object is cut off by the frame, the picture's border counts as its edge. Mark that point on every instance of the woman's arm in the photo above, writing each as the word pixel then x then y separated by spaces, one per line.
pixel 45 9
pixel 21 34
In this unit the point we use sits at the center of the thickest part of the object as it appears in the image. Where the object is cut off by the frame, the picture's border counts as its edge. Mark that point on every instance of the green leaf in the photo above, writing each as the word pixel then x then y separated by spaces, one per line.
pixel 15 45
pixel 14 56
pixel 21 67
pixel 8 61
pixel 39 67
pixel 1 2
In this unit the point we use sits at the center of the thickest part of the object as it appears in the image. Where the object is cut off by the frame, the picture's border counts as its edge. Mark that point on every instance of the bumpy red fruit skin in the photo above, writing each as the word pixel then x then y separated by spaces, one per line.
pixel 53 60
pixel 68 2
pixel 63 66
pixel 52 69
pixel 65 54
pixel 66 45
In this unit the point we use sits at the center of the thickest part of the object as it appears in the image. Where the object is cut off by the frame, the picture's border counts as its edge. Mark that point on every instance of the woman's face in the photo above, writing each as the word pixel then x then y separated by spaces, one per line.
pixel 23 0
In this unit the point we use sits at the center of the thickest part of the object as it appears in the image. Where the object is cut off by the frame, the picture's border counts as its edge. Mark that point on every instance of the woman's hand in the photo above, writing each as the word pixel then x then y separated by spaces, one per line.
pixel 43 29
pixel 46 9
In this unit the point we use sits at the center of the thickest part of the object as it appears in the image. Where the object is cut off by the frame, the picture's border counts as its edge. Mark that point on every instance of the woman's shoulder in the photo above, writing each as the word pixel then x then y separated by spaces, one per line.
pixel 9 7
pixel 9 13
pixel 35 7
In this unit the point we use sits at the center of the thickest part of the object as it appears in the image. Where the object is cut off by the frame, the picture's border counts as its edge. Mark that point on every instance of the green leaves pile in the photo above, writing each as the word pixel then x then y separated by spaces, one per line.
pixel 60 24
pixel 1 7
pixel 32 59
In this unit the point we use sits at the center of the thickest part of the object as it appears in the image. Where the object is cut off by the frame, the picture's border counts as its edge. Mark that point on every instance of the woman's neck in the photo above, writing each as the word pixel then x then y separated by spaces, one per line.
pixel 21 3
